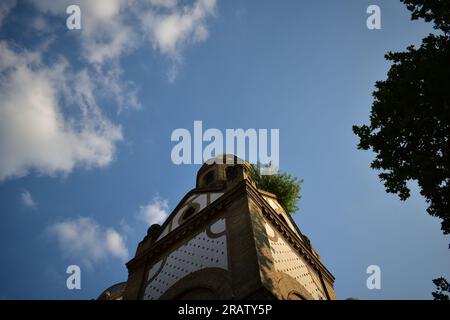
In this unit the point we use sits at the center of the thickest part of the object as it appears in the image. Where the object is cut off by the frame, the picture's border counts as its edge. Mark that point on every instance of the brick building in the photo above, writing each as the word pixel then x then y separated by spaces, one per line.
pixel 226 239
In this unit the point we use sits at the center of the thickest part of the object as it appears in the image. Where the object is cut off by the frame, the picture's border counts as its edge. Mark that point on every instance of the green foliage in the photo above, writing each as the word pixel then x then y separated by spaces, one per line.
pixel 284 186
pixel 442 286
pixel 409 128
pixel 436 11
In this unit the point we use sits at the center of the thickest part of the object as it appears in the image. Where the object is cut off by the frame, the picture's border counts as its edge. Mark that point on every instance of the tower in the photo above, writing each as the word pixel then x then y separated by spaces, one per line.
pixel 226 239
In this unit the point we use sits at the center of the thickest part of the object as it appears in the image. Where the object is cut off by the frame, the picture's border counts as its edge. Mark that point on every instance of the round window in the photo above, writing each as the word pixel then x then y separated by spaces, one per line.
pixel 189 212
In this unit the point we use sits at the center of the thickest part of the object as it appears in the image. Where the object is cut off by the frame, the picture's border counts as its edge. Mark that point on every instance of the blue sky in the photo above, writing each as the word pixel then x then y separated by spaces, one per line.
pixel 86 118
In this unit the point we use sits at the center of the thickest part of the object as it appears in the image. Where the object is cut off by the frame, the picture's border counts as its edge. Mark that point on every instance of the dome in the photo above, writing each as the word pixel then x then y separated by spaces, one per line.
pixel 220 171
pixel 115 292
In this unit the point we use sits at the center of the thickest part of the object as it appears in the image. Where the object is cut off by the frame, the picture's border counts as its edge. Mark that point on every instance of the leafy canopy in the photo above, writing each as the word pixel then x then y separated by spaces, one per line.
pixel 409 128
pixel 442 289
pixel 284 186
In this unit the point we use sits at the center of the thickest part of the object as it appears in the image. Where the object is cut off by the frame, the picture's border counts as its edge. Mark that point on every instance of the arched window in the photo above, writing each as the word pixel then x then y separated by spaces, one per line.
pixel 189 212
pixel 231 173
pixel 209 178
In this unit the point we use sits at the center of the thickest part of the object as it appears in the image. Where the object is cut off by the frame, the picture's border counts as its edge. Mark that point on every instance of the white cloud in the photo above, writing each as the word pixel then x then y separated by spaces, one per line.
pixel 50 121
pixel 124 93
pixel 98 9
pixel 85 240
pixel 163 3
pixel 112 28
pixel 104 39
pixel 40 24
pixel 156 211
pixel 27 199
pixel 170 32
pixel 104 35
pixel 36 131
pixel 107 43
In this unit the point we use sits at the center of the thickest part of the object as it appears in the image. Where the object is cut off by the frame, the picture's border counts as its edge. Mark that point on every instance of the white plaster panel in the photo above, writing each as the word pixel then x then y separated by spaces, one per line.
pixel 200 199
pixel 269 230
pixel 197 253
pixel 215 196
pixel 176 219
pixel 287 260
pixel 288 220
pixel 153 270
pixel 218 226
pixel 164 233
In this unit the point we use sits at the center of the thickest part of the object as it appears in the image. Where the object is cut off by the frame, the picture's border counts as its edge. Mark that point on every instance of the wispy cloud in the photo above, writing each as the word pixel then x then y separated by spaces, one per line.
pixel 171 30
pixel 5 8
pixel 35 132
pixel 156 211
pixel 176 27
pixel 51 120
pixel 168 25
pixel 84 240
pixel 27 199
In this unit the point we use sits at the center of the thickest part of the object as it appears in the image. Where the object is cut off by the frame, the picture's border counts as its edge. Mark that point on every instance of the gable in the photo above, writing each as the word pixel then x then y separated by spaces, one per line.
pixel 194 203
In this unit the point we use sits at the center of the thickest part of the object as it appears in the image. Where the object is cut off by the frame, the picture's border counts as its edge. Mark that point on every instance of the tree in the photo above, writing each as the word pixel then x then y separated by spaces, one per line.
pixel 409 128
pixel 442 286
pixel 437 11
pixel 284 186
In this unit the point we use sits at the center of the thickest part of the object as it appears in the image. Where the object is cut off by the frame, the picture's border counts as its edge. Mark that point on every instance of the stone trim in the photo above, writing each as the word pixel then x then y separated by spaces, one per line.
pixel 288 234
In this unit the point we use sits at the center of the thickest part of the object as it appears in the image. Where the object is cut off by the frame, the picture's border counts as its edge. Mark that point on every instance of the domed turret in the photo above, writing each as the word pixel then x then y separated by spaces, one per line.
pixel 221 171
pixel 226 239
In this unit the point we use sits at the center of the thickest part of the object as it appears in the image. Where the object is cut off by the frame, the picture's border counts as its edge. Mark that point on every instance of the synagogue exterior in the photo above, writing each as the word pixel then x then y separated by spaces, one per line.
pixel 226 239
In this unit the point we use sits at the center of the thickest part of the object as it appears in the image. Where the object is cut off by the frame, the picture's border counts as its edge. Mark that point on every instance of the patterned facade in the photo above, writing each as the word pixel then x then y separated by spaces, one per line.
pixel 226 239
